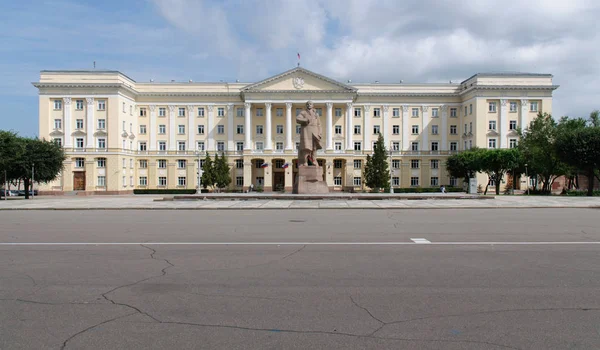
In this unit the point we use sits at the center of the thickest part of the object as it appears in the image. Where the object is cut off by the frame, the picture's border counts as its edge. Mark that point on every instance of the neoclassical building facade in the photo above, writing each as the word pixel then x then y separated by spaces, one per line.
pixel 120 135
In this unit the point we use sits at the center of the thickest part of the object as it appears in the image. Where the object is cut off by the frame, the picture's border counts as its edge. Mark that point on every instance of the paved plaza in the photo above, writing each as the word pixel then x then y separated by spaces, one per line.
pixel 405 201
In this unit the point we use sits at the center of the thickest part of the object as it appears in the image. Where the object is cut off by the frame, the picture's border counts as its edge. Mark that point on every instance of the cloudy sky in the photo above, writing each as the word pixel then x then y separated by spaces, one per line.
pixel 249 40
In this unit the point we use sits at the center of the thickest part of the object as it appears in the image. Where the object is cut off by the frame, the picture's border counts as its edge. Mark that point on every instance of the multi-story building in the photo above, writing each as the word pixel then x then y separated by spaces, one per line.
pixel 121 135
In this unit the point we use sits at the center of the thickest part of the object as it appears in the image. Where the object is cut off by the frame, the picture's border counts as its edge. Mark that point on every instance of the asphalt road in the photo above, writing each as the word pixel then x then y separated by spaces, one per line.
pixel 306 279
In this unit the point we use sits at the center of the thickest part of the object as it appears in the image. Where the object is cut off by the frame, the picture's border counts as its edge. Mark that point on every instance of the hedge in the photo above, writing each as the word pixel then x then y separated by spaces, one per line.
pixel 167 191
pixel 426 190
pixel 581 193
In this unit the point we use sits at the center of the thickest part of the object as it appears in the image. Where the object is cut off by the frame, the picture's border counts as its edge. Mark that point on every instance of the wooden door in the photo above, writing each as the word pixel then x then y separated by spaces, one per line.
pixel 79 181
pixel 278 179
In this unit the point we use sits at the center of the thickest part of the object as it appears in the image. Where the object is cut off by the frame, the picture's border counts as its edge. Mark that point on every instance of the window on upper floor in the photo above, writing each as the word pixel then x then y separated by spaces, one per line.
pixel 102 143
pixel 357 112
pixel 491 143
pixel 181 129
pixel 453 130
pixel 357 146
pixel 512 143
pixel 395 129
pixel 279 129
pixel 181 145
pixel 533 106
pixel 79 162
pixel 338 129
pixel 200 112
pixel 79 124
pixel 259 130
pixel 453 113
pixel 57 123
pixel 434 129
pixel 396 163
pixel 162 129
pixel 357 163
pixel 298 129
pixel 220 112
pixel 239 129
pixel 512 125
pixel 492 107
pixel 220 129
pixel 414 163
pixel 395 112
pixel 259 112
pixel 142 129
pixel 181 112
pixel 415 129
pixel 453 146
pixel 414 146
pixel 142 146
pixel 513 106
pixel 319 111
pixel 376 129
pixel 470 108
pixel 435 146
pixel 79 142
pixel 240 112
pixel 435 113
pixel 79 105
pixel 101 105
pixel 162 111
pixel 181 163
pixel 338 112
pixel 376 112
pixel 162 163
pixel 57 104
pixel 435 164
pixel 356 129
pixel 492 125
pixel 279 112
pixel 101 162
pixel 101 124
pixel 415 112
pixel 200 129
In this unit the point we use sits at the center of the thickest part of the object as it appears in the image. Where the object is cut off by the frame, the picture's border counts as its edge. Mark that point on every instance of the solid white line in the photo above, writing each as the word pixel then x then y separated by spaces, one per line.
pixel 283 243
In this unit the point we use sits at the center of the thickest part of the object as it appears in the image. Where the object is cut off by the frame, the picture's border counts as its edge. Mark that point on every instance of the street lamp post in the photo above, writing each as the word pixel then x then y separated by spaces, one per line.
pixel 198 189
pixel 32 180
pixel 527 176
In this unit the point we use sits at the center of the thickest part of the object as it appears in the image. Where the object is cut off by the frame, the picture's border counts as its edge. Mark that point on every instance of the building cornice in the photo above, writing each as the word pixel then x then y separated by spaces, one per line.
pixel 189 94
pixel 510 87
pixel 406 94
pixel 84 86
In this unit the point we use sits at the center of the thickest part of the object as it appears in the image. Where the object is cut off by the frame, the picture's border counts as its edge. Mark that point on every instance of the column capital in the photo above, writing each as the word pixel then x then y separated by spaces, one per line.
pixel 89 100
pixel 503 102
pixel 349 104
pixel 229 107
pixel 152 108
pixel 386 108
pixel 210 108
pixel 190 109
pixel 367 108
pixel 172 109
pixel 67 101
pixel 444 108
pixel 329 105
pixel 268 105
pixel 425 108
pixel 247 104
pixel 405 108
pixel 288 105
pixel 524 102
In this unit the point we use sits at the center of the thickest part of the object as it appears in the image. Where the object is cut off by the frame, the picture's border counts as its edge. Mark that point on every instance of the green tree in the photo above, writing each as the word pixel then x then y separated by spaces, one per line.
pixel 11 150
pixel 377 173
pixel 539 151
pixel 222 172
pixel 208 172
pixel 464 164
pixel 497 162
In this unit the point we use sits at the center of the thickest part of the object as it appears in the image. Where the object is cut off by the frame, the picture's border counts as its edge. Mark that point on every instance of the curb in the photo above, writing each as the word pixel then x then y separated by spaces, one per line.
pixel 295 208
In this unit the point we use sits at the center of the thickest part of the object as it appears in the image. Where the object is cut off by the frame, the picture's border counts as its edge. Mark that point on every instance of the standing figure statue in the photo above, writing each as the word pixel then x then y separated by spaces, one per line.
pixel 310 135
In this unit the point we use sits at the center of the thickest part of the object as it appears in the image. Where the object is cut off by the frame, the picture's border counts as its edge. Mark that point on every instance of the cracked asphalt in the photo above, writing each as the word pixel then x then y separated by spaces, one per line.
pixel 145 295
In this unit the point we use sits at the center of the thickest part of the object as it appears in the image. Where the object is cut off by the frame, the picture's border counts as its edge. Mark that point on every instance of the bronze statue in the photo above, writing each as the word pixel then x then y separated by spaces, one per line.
pixel 310 135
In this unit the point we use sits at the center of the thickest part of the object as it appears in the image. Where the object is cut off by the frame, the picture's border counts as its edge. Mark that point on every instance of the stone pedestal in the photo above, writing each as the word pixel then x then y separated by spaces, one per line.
pixel 310 180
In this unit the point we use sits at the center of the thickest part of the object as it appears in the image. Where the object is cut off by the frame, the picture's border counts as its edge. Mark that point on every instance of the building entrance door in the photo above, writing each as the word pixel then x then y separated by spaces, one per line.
pixel 278 180
pixel 79 181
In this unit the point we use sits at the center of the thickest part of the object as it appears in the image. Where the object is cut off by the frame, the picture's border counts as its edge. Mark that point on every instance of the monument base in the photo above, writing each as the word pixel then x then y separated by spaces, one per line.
pixel 310 180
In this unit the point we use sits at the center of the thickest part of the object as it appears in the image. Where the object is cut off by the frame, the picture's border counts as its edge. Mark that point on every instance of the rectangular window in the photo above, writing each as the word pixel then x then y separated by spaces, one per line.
pixel 465 110
pixel 338 146
pixel 162 129
pixel 492 107
pixel 79 162
pixel 357 112
pixel 453 113
pixel 181 181
pixel 414 181
pixel 435 113
pixel 79 143
pixel 239 129
pixel 220 112
pixel 356 129
pixel 471 109
pixel 414 146
pixel 124 163
pixel 434 129
pixel 395 146
pixel 533 106
pixel 512 125
pixel 396 112
pixel 101 124
pixel 396 129
pixel 259 146
pixel 435 181
pixel 79 124
pixel 102 143
pixel 220 129
pixel 200 145
pixel 395 181
pixel 142 112
pixel 57 123
pixel 124 181
pixel 415 129
pixel 57 105
pixel 453 129
pixel 143 164
pixel 338 112
pixel 357 164
pixel 220 146
pixel 181 129
pixel 376 112
pixel 279 146
pixel 453 146
pixel 79 105
pixel 101 163
pixel 131 113
pixel 143 146
pixel 414 164
pixel 471 127
pixel 279 129
pixel 376 129
pixel 492 125
pixel 492 143
pixel 279 112
pixel 297 129
pixel 453 181
pixel 337 163
pixel 200 112
pixel 200 130
pixel 239 164
pixel 297 146
pixel 162 163
pixel 162 181
pixel 162 111
pixel 470 144
pixel 181 163
pixel 131 164
pixel 181 145
pixel 259 129
pixel 259 112
pixel 337 181
pixel 435 164
pixel 338 129
pixel 162 145
pixel 143 181
pixel 298 110
pixel 239 181
pixel 396 163
pixel 101 105
pixel 101 181
pixel 319 111
pixel 279 163
pixel 357 146
pixel 181 112
pixel 415 112
pixel 513 106
pixel 512 143
pixel 435 146
pixel 239 146
pixel 357 181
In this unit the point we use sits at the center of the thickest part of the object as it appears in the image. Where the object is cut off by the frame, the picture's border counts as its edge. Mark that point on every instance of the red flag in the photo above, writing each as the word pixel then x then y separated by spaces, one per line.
pixel 298 55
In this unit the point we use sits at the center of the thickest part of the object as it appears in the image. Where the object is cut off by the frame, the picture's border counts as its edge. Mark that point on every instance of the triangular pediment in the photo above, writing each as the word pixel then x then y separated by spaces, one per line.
pixel 298 80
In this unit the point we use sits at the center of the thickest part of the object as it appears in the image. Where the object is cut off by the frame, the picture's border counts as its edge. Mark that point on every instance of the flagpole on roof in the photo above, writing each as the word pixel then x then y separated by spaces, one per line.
pixel 298 59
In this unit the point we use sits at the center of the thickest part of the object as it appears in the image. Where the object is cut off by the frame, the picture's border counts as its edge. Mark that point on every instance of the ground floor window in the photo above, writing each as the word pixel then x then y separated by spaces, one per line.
pixel 435 181
pixel 396 181
pixel 337 181
pixel 239 181
pixel 143 181
pixel 124 181
pixel 260 181
pixel 357 181
pixel 131 181
pixel 162 181
pixel 181 181
pixel 101 181
pixel 338 146
pixel 492 183
pixel 453 181
pixel 414 181
pixel 337 163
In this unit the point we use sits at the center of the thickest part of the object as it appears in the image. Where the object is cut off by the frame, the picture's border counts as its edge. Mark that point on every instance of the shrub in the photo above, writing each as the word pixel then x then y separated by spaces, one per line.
pixel 259 189
pixel 575 193
pixel 167 191
pixel 426 190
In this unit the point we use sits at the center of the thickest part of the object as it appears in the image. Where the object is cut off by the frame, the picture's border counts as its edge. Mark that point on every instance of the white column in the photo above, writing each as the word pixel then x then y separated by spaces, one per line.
pixel 67 122
pixel 152 128
pixel 367 129
pixel 444 130
pixel 425 131
pixel 247 127
pixel 503 124
pixel 230 127
pixel 172 131
pixel 524 111
pixel 386 126
pixel 288 126
pixel 405 143
pixel 349 146
pixel 269 139
pixel 191 131
pixel 329 121
pixel 210 124
pixel 89 122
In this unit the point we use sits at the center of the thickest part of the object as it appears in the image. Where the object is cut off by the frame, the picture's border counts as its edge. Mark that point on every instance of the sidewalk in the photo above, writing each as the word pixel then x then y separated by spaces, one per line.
pixel 150 202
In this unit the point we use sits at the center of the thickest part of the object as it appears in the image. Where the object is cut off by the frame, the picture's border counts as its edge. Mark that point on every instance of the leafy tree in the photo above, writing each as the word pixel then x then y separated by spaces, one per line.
pixel 464 164
pixel 539 152
pixel 10 150
pixel 377 173
pixel 222 171
pixel 208 172
pixel 497 162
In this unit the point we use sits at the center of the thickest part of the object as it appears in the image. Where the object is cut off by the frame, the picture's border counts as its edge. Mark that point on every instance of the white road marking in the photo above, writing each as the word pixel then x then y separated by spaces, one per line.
pixel 420 240
pixel 284 243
